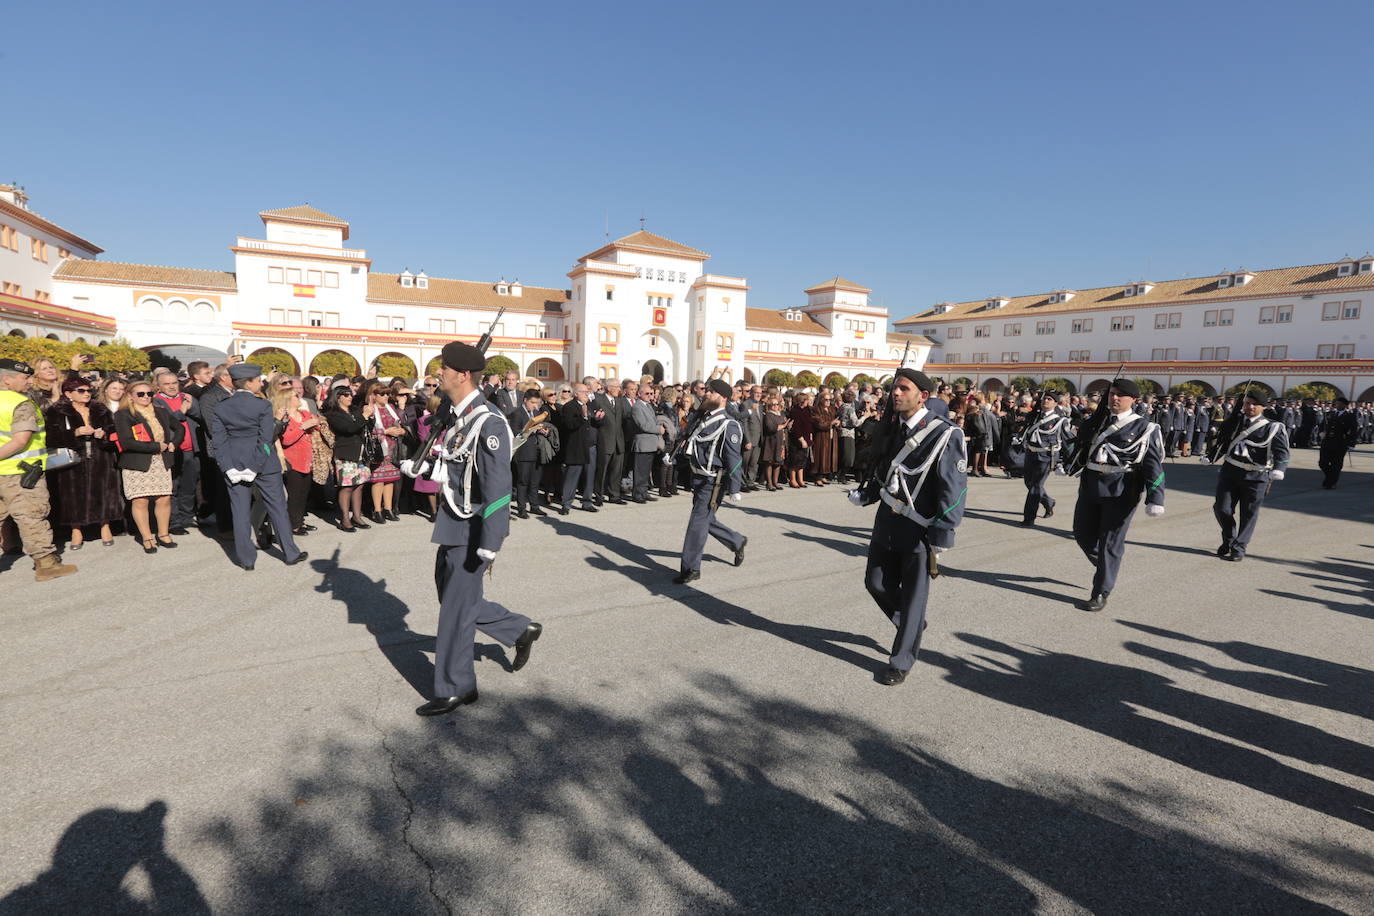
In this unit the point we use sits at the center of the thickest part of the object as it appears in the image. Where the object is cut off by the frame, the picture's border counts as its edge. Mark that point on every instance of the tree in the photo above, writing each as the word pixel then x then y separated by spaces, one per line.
pixel 808 379
pixel 1189 390
pixel 1319 391
pixel 1058 383
pixel 501 365
pixel 160 360
pixel 119 356
pixel 434 365
pixel 863 379
pixel 394 364
pixel 1237 390
pixel 274 360
pixel 779 378
pixel 1148 387
pixel 835 380
pixel 1023 383
pixel 334 362
pixel 963 382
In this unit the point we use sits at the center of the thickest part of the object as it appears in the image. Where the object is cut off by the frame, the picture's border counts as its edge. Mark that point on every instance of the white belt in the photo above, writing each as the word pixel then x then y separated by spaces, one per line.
pixel 1109 468
pixel 1247 465
pixel 1041 451
pixel 901 507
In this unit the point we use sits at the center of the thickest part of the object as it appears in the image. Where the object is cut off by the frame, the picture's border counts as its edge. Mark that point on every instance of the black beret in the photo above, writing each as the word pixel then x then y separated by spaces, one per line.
pixel 1127 387
pixel 916 377
pixel 720 387
pixel 1049 393
pixel 462 357
pixel 1258 396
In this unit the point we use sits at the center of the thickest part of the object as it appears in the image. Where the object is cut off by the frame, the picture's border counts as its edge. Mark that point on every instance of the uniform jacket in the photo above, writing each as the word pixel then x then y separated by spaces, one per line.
pixel 1261 444
pixel 610 436
pixel 1342 429
pixel 489 497
pixel 206 405
pixel 1048 432
pixel 717 444
pixel 940 497
pixel 243 434
pixel 1119 445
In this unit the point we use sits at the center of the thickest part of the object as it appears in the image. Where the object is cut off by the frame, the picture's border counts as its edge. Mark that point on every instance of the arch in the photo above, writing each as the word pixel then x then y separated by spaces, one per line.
pixel 17 333
pixel 963 382
pixel 834 380
pixel 545 370
pixel 1235 390
pixel 271 358
pixel 992 385
pixel 150 307
pixel 653 368
pixel 1150 386
pixel 1208 390
pixel 661 346
pixel 1316 389
pixel 203 311
pixel 1367 396
pixel 1059 383
pixel 748 376
pixel 396 364
pixel 103 343
pixel 177 310
pixel 1096 385
pixel 330 362
pixel 432 367
pixel 51 336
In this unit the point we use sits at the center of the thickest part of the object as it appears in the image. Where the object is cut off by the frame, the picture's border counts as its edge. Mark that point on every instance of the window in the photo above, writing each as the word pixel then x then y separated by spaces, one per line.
pixel 982 330
pixel 1209 317
pixel 1044 356
pixel 1118 356
pixel 660 275
pixel 1345 351
pixel 398 323
pixel 11 289
pixel 1284 314
pixel 725 341
pixel 980 357
pixel 276 316
pixel 1160 354
pixel 64 254
pixel 610 293
pixel 383 322
pixel 1008 357
pixel 331 319
pixel 608 333
pixel 1123 323
pixel 42 295
pixel 1081 325
pixel 787 347
pixel 1161 320
pixel 1226 318
pixel 313 278
pixel 1280 352
pixel 1266 316
pixel 540 331
pixel 499 330
pixel 1079 356
pixel 1012 330
pixel 651 301
pixel 9 238
pixel 450 326
pixel 293 275
pixel 819 350
pixel 331 279
pixel 316 319
pixel 1263 353
pixel 436 326
pixel 1331 311
pixel 1324 351
pixel 1350 310
pixel 1207 353
pixel 953 358
pixel 954 333
pixel 39 249
pixel 275 275
pixel 1044 327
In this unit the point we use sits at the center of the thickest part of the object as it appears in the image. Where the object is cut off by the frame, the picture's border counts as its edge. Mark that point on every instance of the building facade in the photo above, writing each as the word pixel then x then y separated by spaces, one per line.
pixel 1281 328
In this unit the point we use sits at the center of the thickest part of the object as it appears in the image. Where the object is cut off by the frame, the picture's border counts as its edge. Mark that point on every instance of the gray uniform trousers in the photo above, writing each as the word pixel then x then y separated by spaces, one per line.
pixel 1099 526
pixel 1034 473
pixel 462 612
pixel 1234 490
pixel 899 582
pixel 272 495
pixel 703 522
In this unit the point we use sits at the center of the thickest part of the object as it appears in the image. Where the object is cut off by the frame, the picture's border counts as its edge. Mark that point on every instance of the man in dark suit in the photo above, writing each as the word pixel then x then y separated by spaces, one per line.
pixel 751 418
pixel 1342 434
pixel 527 455
pixel 610 443
pixel 217 496
pixel 507 398
pixel 243 435
pixel 579 425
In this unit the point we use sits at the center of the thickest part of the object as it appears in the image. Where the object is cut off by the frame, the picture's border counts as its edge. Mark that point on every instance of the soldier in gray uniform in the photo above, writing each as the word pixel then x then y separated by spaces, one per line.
pixel 1255 454
pixel 713 448
pixel 1124 459
pixel 243 436
pixel 471 460
pixel 921 479
pixel 1043 440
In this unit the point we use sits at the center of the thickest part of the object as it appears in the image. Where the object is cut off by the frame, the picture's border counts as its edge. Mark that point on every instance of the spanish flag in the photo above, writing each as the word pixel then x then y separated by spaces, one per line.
pixel 305 292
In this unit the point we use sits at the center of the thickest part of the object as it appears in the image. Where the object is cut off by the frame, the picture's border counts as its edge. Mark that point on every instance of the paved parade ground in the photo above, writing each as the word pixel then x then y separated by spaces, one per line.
pixel 184 736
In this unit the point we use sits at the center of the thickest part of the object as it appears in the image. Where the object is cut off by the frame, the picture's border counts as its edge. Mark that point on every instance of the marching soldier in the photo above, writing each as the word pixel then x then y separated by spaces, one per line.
pixel 1256 453
pixel 921 480
pixel 1124 460
pixel 1043 440
pixel 714 450
pixel 473 469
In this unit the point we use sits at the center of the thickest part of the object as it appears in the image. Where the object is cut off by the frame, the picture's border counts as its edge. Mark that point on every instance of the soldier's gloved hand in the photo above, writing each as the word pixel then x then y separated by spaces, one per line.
pixel 485 554
pixel 856 496
pixel 1059 470
pixel 1154 511
pixel 408 468
pixel 1276 475
pixel 668 460
pixel 736 497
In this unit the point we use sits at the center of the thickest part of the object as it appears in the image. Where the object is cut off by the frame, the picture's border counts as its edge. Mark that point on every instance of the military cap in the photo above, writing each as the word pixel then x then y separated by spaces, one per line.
pixel 1258 396
pixel 916 377
pixel 1127 387
pixel 720 387
pixel 241 371
pixel 15 365
pixel 462 357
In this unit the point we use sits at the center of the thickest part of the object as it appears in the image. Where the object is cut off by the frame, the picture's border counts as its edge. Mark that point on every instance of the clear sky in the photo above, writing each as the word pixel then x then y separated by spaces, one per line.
pixel 930 151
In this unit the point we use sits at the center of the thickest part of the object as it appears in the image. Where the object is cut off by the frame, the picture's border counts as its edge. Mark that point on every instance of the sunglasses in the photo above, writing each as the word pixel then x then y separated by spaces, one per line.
pixel 284 386
pixel 81 391
pixel 143 394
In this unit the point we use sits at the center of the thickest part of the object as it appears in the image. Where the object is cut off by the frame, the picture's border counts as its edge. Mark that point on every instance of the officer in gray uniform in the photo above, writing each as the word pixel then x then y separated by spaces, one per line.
pixel 471 461
pixel 1255 455
pixel 1125 459
pixel 920 481
pixel 243 436
pixel 1043 440
pixel 713 448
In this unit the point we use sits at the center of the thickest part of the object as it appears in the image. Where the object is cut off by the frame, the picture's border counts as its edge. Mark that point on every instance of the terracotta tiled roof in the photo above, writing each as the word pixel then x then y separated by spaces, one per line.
pixel 457 293
pixel 147 274
pixel 838 283
pixel 1283 281
pixel 648 240
pixel 917 340
pixel 33 219
pixel 769 320
pixel 306 213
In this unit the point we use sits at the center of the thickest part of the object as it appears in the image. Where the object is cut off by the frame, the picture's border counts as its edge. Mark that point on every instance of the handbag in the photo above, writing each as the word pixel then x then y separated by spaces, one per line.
pixel 372 450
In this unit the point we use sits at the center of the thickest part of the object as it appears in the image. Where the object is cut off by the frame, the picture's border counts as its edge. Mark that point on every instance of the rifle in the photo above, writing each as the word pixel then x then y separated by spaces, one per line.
pixel 693 421
pixel 880 440
pixel 1077 459
pixel 1228 429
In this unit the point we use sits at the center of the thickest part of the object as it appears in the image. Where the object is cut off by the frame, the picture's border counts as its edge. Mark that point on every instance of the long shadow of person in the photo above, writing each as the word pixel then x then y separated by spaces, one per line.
pixel 370 604
pixel 1014 582
pixel 92 861
pixel 848 548
pixel 641 567
pixel 850 530
pixel 1104 697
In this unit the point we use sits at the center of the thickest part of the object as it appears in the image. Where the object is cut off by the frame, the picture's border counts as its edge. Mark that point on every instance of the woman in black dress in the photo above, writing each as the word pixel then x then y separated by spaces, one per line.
pixel 799 438
pixel 88 493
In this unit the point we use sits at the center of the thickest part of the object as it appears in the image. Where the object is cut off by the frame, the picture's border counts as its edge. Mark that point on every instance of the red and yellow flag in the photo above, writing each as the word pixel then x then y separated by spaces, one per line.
pixel 305 292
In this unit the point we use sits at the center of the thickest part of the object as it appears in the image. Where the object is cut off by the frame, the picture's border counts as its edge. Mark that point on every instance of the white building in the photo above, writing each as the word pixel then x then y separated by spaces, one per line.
pixel 1283 328
pixel 30 247
pixel 642 304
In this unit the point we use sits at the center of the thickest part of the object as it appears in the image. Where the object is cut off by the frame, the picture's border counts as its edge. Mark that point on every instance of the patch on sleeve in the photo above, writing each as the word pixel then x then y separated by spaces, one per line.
pixel 493 443
pixel 734 439
pixel 961 466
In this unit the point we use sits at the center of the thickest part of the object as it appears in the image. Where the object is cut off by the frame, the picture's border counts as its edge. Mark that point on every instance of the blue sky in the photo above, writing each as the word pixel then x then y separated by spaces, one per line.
pixel 929 150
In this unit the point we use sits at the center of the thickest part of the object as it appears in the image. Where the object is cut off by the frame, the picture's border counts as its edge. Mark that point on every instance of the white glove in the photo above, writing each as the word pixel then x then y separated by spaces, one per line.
pixel 1276 475
pixel 668 460
pixel 1205 460
pixel 484 554
pixel 1059 470
pixel 736 497
pixel 236 475
pixel 408 468
pixel 1154 511
pixel 856 497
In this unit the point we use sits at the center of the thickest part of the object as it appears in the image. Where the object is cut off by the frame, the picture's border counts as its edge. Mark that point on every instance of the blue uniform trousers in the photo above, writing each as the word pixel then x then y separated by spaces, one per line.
pixel 462 612
pixel 1037 470
pixel 1099 527
pixel 1233 491
pixel 703 522
pixel 273 498
pixel 898 578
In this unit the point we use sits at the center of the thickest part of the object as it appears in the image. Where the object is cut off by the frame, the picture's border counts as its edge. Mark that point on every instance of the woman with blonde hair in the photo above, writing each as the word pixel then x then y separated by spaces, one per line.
pixel 387 431
pixel 148 437
pixel 297 450
pixel 111 393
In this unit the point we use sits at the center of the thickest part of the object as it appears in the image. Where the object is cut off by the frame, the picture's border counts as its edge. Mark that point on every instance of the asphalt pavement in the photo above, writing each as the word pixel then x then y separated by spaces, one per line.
pixel 182 736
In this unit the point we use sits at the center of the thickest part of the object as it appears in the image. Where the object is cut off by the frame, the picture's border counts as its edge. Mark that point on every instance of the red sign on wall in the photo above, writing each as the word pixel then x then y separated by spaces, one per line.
pixel 660 317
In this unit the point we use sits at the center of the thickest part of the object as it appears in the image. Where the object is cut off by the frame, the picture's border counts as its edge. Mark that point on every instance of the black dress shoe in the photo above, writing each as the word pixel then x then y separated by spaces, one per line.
pixel 639 502
pixel 739 554
pixel 522 514
pixel 687 575
pixel 179 530
pixel 563 510
pixel 1027 523
pixel 378 518
pixel 442 706
pixel 1223 550
pixel 391 515
pixel 1096 603
pixel 522 645
pixel 1234 556
pixel 618 501
pixel 298 558
pixel 538 511
pixel 892 677
pixel 588 507
pixel 1049 513
pixel 360 524
pixel 309 527
pixel 249 568
pixel 302 531
pixel 264 538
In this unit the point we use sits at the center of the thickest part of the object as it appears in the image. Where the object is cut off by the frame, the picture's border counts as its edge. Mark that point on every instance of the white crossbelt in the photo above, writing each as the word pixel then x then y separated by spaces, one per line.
pixel 463 453
pixel 898 474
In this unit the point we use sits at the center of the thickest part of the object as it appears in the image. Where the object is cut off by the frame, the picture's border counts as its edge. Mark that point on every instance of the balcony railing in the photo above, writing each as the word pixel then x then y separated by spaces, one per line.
pixel 299 248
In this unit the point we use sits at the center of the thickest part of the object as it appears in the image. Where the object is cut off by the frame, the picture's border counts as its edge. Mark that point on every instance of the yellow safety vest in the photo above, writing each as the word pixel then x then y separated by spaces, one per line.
pixel 9 400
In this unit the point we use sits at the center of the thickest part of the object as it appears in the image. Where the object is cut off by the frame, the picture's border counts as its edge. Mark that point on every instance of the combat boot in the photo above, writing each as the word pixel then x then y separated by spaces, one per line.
pixel 50 567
